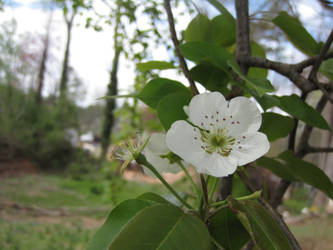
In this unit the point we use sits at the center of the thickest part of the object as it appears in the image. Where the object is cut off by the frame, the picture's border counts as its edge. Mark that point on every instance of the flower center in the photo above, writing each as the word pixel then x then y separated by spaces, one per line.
pixel 217 140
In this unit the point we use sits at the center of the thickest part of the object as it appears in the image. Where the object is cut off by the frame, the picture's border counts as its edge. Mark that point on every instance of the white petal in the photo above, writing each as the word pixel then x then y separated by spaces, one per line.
pixel 157 144
pixel 184 140
pixel 160 164
pixel 244 116
pixel 249 147
pixel 206 108
pixel 216 165
pixel 186 110
pixel 180 139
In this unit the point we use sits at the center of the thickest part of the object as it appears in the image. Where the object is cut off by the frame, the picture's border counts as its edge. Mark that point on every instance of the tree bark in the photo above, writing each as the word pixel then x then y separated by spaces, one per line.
pixel 42 66
pixel 64 73
pixel 110 103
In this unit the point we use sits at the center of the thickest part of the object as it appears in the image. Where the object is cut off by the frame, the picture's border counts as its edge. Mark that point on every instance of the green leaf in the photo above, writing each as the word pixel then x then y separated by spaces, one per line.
pixel 278 168
pixel 157 88
pixel 297 34
pixel 211 77
pixel 170 108
pixel 264 230
pixel 308 173
pixel 221 9
pixel 260 85
pixel 118 219
pixel 326 68
pixel 296 107
pixel 159 226
pixel 146 66
pixel 276 126
pixel 268 101
pixel 227 230
pixel 199 29
pixel 201 51
pixel 258 51
pixel 223 30
pixel 149 196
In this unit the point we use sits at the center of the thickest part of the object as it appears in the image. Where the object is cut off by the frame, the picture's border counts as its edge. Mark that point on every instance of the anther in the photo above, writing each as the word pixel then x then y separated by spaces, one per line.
pixel 244 137
pixel 206 116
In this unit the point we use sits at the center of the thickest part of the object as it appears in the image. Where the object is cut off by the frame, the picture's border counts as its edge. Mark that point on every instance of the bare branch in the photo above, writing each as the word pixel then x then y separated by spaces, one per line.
pixel 310 61
pixel 287 70
pixel 175 41
pixel 243 48
pixel 319 150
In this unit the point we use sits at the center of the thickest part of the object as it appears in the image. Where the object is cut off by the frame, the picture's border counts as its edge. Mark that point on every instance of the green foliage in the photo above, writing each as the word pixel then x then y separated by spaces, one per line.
pixel 211 77
pixel 227 230
pixel 297 34
pixel 276 126
pixel 141 221
pixel 160 65
pixel 206 52
pixel 264 230
pixel 170 108
pixel 200 22
pixel 223 29
pixel 278 168
pixel 157 88
pixel 306 171
pixel 326 68
pixel 299 109
pixel 37 131
pixel 258 51
pixel 260 86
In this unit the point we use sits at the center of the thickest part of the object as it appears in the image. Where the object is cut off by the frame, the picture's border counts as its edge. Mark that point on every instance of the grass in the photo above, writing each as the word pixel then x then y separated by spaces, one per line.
pixel 27 235
pixel 314 233
pixel 89 201
pixel 22 230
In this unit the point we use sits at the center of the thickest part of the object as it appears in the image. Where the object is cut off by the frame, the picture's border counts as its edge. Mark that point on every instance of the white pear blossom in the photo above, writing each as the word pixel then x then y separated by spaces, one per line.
pixel 219 135
pixel 159 155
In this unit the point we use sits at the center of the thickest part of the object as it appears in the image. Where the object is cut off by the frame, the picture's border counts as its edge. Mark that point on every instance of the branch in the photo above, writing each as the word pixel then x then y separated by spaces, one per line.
pixel 319 150
pixel 175 41
pixel 285 69
pixel 310 61
pixel 313 74
pixel 243 48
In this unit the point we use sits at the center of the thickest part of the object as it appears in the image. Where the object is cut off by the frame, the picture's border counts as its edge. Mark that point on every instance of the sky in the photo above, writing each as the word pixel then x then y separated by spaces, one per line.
pixel 91 51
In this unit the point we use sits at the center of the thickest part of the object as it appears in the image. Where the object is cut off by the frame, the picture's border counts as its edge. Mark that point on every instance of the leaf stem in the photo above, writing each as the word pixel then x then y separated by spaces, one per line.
pixel 194 186
pixel 141 159
pixel 252 196
pixel 216 243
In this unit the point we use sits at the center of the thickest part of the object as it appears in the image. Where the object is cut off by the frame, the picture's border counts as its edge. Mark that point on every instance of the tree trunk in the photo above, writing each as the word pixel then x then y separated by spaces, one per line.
pixel 110 104
pixel 64 73
pixel 326 159
pixel 42 66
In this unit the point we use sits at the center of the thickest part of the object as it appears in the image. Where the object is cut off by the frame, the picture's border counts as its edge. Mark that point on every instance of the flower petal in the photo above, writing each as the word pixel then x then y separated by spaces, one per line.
pixel 156 147
pixel 249 147
pixel 216 165
pixel 244 116
pixel 206 107
pixel 180 139
pixel 157 144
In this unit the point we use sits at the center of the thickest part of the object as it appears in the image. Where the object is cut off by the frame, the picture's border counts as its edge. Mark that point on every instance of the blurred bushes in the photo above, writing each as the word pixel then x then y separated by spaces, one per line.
pixel 37 131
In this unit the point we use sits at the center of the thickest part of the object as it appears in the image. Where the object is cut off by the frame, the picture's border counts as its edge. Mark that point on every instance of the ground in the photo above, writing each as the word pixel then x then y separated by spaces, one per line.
pixel 54 212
